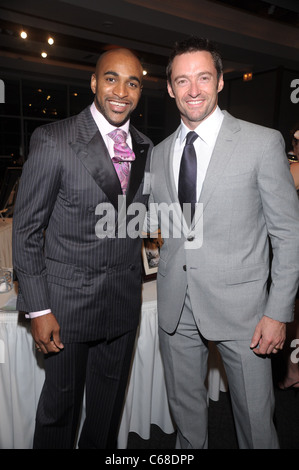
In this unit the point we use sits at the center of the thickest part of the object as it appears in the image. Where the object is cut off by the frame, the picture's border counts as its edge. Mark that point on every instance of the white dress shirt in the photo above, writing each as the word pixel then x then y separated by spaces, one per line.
pixel 104 127
pixel 204 145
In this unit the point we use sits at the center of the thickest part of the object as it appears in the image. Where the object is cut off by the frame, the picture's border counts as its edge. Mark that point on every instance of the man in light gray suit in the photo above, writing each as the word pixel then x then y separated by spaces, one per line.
pixel 213 272
pixel 81 282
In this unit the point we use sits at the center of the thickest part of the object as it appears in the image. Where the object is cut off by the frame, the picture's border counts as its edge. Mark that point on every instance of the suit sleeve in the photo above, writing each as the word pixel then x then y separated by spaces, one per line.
pixel 281 212
pixel 36 197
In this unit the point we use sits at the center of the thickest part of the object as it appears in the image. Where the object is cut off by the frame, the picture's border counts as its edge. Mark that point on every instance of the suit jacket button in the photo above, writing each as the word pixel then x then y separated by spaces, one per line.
pixel 184 268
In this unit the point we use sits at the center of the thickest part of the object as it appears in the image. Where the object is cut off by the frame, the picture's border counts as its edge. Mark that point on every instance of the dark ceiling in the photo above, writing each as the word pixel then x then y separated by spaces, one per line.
pixel 254 35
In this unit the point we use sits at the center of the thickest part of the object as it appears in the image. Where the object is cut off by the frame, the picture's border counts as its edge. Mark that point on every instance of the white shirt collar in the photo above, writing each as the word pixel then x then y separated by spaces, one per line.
pixel 103 125
pixel 207 129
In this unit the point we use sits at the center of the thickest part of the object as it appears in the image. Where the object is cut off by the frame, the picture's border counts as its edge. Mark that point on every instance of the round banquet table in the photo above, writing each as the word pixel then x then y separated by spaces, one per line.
pixel 22 375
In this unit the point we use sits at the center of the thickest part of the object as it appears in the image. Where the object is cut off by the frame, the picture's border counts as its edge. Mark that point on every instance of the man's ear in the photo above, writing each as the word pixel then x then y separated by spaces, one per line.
pixel 170 91
pixel 220 83
pixel 93 83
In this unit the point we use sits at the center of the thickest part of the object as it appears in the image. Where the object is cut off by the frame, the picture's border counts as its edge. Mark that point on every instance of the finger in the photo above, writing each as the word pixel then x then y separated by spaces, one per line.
pixel 256 350
pixel 255 342
pixel 275 350
pixel 263 348
pixel 40 348
pixel 48 346
pixel 278 348
pixel 254 345
pixel 55 338
pixel 51 347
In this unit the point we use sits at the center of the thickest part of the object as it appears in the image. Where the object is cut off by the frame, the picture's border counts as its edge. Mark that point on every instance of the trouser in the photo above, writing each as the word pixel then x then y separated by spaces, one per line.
pixel 100 368
pixel 185 356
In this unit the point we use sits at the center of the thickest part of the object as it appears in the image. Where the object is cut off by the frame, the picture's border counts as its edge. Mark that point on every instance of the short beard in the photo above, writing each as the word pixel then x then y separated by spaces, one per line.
pixel 102 111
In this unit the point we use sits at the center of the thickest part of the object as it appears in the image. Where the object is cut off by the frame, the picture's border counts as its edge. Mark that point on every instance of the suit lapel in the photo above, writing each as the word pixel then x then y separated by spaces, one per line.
pixel 222 153
pixel 138 165
pixel 92 151
pixel 168 166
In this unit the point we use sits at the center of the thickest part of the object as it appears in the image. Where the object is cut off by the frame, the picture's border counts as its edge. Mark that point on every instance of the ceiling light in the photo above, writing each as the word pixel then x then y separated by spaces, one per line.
pixel 51 41
pixel 23 35
pixel 144 72
pixel 247 77
pixel 44 55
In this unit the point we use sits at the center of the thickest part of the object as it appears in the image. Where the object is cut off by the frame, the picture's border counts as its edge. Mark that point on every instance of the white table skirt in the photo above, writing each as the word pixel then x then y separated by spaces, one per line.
pixel 21 379
pixel 22 376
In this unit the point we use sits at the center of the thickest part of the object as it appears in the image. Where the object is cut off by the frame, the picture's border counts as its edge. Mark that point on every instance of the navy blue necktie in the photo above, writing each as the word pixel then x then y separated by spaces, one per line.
pixel 188 173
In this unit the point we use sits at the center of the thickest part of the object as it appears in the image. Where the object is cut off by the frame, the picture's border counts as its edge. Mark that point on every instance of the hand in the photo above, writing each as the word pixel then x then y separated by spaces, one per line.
pixel 269 336
pixel 45 332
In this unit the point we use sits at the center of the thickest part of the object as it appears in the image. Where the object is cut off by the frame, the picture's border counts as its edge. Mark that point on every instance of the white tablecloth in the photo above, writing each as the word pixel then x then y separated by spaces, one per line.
pixel 22 375
pixel 21 379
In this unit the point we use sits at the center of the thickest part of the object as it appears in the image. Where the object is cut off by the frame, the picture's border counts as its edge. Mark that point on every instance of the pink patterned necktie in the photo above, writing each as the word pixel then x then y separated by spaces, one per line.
pixel 122 156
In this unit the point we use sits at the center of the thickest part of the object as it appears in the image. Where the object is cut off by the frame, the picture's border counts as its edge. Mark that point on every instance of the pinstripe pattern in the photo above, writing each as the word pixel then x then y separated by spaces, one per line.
pixel 58 413
pixel 67 174
pixel 92 285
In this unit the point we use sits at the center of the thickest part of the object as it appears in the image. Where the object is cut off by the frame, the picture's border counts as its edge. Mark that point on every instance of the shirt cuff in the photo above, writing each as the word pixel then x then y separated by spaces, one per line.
pixel 37 314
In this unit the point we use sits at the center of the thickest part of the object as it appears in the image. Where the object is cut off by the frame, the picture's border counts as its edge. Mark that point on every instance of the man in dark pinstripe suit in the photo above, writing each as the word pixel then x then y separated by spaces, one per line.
pixel 82 291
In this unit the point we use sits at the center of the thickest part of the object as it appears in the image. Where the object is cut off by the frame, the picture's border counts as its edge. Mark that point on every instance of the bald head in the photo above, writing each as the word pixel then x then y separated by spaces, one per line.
pixel 117 54
pixel 117 84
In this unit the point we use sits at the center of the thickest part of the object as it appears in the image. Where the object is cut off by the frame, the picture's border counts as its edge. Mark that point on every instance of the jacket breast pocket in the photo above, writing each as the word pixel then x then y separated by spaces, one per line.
pixel 238 179
pixel 64 274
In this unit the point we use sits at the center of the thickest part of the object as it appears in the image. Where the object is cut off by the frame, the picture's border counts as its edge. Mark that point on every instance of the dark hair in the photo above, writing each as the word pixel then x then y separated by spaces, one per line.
pixel 195 44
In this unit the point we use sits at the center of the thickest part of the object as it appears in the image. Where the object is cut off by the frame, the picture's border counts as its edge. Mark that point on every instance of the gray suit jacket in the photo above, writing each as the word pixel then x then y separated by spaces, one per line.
pixel 248 197
pixel 91 284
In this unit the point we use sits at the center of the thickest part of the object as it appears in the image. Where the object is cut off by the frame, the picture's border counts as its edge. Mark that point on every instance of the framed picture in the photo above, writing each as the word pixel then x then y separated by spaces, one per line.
pixel 150 257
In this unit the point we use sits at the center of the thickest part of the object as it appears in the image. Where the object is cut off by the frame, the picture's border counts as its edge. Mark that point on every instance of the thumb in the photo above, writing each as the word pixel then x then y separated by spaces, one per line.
pixel 255 338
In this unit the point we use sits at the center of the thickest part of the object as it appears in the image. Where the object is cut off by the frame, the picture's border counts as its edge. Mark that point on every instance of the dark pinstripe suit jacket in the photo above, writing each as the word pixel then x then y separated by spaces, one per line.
pixel 92 285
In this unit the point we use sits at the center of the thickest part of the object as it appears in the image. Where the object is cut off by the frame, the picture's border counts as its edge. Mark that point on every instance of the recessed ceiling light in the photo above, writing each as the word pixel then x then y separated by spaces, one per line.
pixel 247 77
pixel 44 55
pixel 23 35
pixel 51 41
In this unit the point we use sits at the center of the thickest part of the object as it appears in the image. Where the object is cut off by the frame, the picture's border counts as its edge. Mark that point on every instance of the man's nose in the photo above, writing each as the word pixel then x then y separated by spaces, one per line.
pixel 120 89
pixel 194 89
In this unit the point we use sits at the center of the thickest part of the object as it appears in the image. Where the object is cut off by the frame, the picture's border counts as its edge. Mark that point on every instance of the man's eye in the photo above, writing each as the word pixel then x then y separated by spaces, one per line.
pixel 133 85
